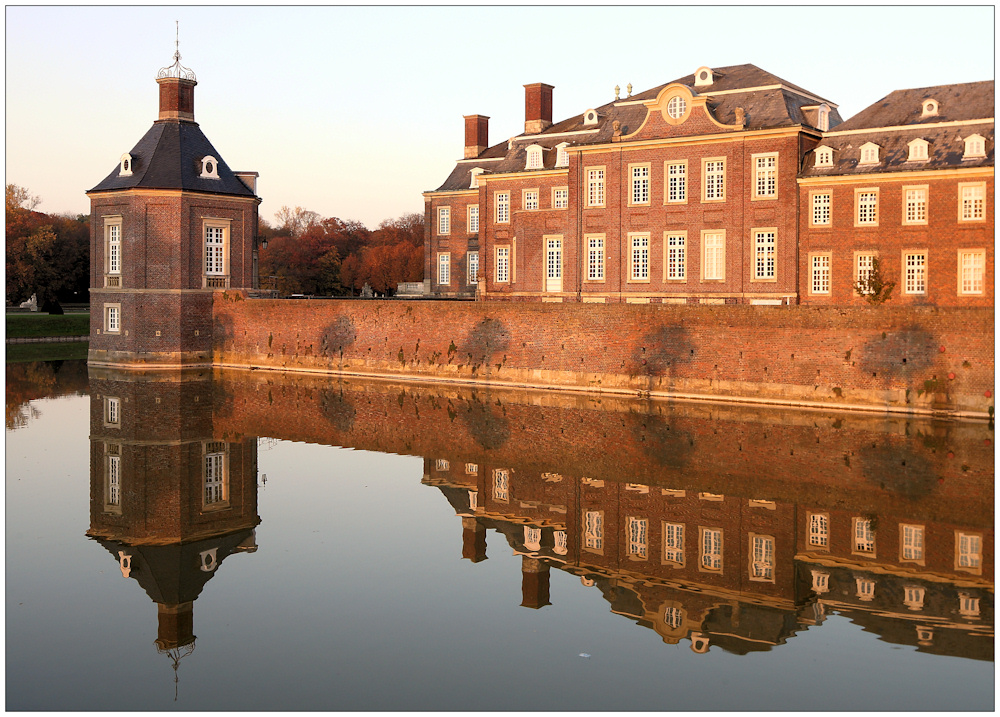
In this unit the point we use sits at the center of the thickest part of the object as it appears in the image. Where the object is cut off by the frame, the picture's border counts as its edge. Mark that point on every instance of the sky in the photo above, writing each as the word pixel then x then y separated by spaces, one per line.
pixel 353 112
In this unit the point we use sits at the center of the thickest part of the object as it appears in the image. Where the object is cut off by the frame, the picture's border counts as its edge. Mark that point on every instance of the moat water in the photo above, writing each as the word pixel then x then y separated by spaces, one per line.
pixel 251 541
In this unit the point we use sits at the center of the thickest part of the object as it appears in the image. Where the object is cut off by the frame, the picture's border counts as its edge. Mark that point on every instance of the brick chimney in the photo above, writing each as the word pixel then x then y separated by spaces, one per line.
pixel 473 540
pixel 537 107
pixel 476 135
pixel 534 583
pixel 175 626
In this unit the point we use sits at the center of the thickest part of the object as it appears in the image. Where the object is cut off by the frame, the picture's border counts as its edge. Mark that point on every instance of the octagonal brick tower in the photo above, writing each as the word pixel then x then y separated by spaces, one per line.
pixel 170 225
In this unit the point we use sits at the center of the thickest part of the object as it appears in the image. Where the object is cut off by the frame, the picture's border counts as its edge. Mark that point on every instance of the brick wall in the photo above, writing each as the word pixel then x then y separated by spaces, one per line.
pixel 903 359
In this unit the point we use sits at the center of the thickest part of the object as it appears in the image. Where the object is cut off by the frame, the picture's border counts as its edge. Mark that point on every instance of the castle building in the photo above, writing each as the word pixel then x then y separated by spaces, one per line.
pixel 699 191
pixel 907 181
pixel 170 225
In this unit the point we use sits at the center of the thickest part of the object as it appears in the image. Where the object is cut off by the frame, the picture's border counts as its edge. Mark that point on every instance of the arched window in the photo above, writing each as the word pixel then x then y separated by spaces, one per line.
pixel 125 170
pixel 869 153
pixel 918 150
pixel 824 156
pixel 534 160
pixel 975 146
pixel 562 156
pixel 209 167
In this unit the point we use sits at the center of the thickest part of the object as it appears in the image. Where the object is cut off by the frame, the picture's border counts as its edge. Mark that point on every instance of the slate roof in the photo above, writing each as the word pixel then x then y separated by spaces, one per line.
pixel 903 108
pixel 776 107
pixel 169 157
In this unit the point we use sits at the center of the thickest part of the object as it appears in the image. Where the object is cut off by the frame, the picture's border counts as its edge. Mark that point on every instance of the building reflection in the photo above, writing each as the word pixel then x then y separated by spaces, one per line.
pixel 714 526
pixel 170 497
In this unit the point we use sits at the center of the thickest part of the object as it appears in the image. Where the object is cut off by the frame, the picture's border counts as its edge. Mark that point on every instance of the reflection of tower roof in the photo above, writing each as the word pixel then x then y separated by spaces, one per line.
pixel 172 574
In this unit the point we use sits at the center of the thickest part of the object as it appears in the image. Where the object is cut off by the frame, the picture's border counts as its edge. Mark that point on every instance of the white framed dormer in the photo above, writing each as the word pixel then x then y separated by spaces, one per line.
pixel 703 77
pixel 823 118
pixel 209 167
pixel 534 157
pixel 562 156
pixel 474 177
pixel 824 157
pixel 590 117
pixel 975 147
pixel 918 150
pixel 125 165
pixel 929 108
pixel 869 153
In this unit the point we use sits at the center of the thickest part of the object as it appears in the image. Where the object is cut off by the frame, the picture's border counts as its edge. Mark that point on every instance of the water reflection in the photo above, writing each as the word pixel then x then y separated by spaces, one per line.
pixel 717 526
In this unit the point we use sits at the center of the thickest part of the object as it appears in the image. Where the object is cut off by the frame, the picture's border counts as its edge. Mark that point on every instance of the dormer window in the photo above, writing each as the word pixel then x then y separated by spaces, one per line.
pixel 562 156
pixel 823 118
pixel 869 153
pixel 918 150
pixel 975 146
pixel 590 117
pixel 824 156
pixel 209 168
pixel 930 109
pixel 534 160
pixel 125 170
pixel 474 174
pixel 676 106
pixel 703 77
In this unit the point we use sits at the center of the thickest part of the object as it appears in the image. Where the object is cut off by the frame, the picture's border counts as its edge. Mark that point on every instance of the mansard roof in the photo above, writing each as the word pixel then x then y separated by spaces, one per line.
pixel 767 101
pixel 896 120
pixel 169 157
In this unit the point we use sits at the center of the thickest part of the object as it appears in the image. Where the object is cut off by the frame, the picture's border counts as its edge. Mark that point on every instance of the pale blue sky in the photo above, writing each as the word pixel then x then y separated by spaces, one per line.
pixel 354 111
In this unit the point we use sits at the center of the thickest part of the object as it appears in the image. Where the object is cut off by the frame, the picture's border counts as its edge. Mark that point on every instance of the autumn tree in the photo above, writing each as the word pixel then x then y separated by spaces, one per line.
pixel 48 256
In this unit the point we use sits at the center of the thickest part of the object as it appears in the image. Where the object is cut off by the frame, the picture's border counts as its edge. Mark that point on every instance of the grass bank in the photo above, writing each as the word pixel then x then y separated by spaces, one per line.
pixel 38 325
pixel 19 353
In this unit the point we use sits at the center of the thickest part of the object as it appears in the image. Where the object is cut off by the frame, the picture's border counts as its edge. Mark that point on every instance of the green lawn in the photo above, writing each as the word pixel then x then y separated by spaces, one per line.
pixel 36 325
pixel 17 353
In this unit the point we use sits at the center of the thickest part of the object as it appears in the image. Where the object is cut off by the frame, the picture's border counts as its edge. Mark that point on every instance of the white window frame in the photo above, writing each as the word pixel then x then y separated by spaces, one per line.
pixel 501 485
pixel 673 543
pixel 529 199
pixel 821 209
pixel 215 233
pixel 713 255
pixel 863 542
pixel 761 558
pixel 865 587
pixel 444 268
pixel 501 201
pixel 765 250
pixel 968 552
pixel 596 178
pixel 818 530
pixel 866 209
pixel 595 257
pixel 710 549
pixel 637 532
pixel 562 156
pixel 820 273
pixel 639 257
pixel 911 543
pixel 675 181
pixel 675 256
pixel 971 272
pixel 113 251
pixel 765 184
pixel 914 272
pixel 112 412
pixel 444 221
pixel 975 147
pixel 472 218
pixel 215 475
pixel 918 150
pixel 593 531
pixel 640 184
pixel 502 264
pixel 112 318
pixel 869 153
pixel 474 177
pixel 533 157
pixel 863 264
pixel 112 478
pixel 472 268
pixel 560 197
pixel 713 186
pixel 824 157
pixel 972 202
pixel 915 205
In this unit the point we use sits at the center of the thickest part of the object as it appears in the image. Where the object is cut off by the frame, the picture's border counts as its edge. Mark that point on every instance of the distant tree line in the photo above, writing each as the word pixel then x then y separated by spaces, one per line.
pixel 307 254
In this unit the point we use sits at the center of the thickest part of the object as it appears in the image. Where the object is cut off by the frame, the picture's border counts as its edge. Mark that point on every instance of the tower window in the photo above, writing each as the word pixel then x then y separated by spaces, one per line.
pixel 125 170
pixel 209 168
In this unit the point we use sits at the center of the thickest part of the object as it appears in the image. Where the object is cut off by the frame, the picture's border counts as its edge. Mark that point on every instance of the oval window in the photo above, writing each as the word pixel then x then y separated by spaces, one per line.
pixel 676 107
pixel 209 168
pixel 125 165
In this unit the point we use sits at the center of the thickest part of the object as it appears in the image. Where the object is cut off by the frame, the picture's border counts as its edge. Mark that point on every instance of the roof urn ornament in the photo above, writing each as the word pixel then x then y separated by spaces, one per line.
pixel 617 90
pixel 741 117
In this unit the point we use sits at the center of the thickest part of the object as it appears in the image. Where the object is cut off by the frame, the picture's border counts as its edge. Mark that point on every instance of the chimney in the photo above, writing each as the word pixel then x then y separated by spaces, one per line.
pixel 476 134
pixel 534 583
pixel 473 540
pixel 537 107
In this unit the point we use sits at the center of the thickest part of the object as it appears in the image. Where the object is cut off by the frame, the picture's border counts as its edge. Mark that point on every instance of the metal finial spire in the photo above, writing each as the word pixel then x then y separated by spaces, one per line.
pixel 177 70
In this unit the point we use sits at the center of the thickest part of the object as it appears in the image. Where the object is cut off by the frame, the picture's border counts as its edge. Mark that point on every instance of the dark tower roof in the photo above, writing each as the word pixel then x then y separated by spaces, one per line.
pixel 170 155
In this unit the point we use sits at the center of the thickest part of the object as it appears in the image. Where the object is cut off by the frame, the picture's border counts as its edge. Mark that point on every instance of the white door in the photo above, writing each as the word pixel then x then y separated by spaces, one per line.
pixel 553 265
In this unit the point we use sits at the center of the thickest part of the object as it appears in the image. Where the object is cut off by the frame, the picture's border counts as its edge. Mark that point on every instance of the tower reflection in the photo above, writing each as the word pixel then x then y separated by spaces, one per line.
pixel 170 497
